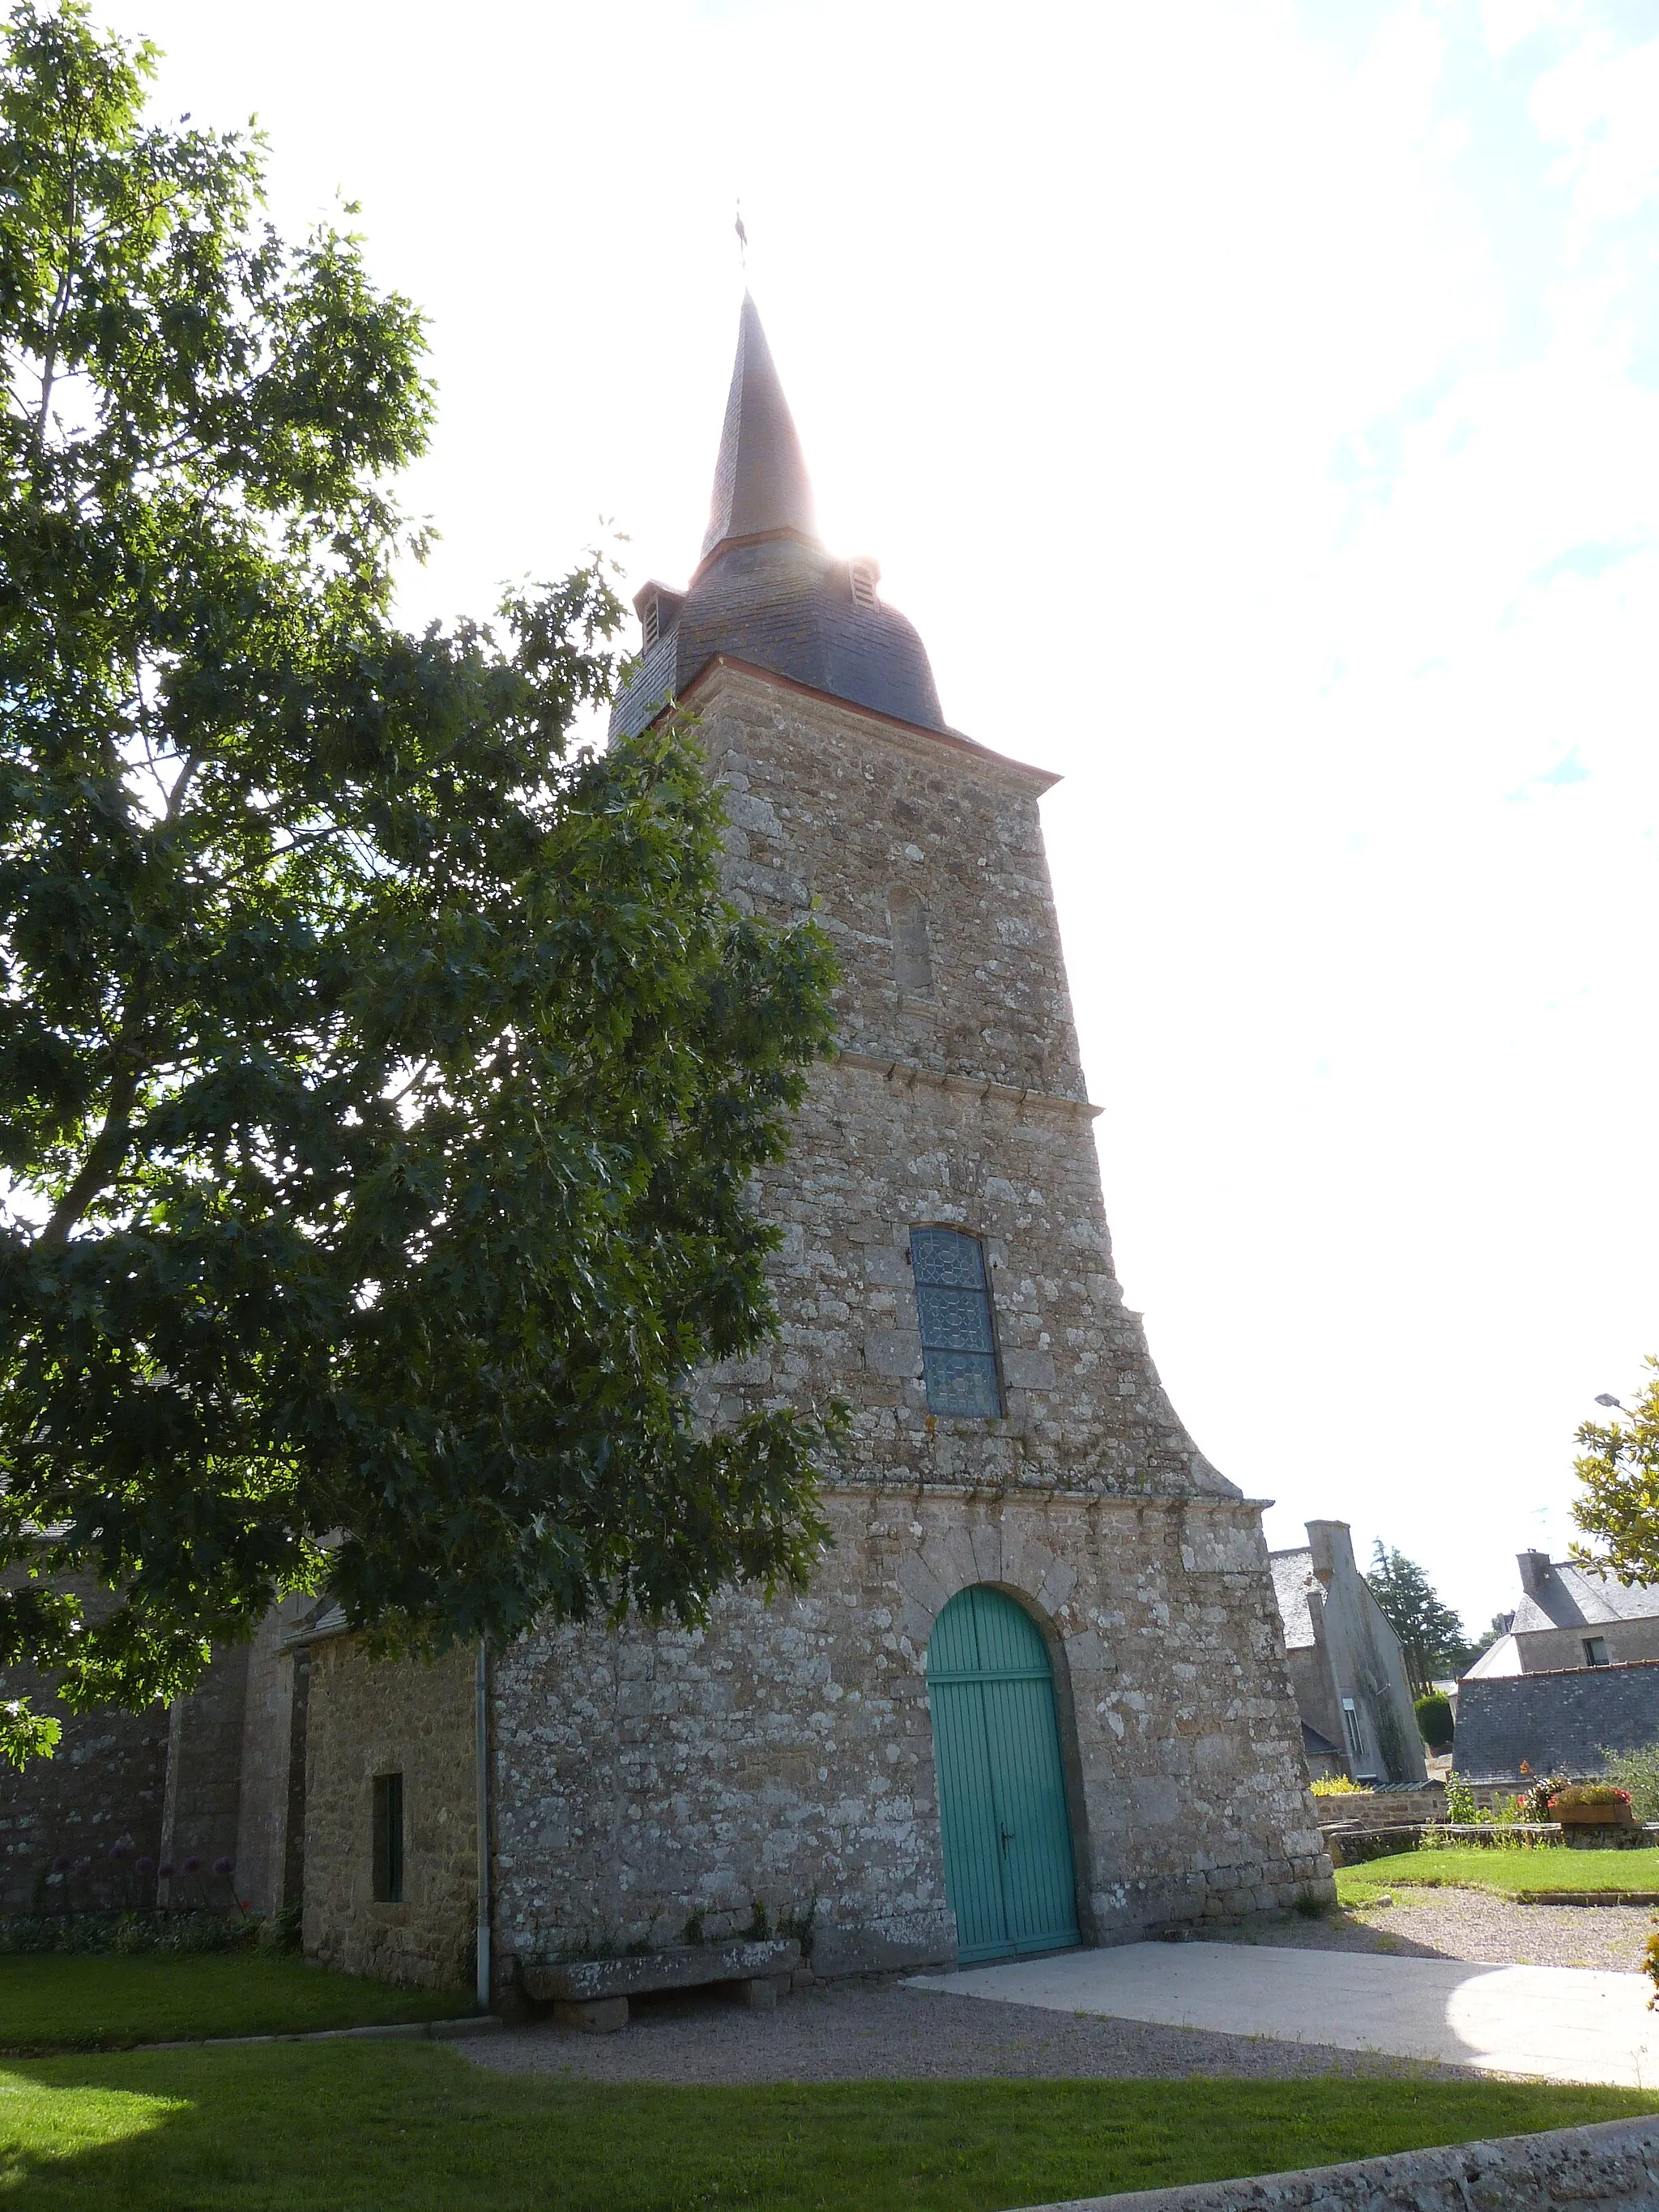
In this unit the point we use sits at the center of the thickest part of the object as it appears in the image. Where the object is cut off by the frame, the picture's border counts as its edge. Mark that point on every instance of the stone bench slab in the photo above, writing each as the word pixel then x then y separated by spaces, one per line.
pixel 685 1966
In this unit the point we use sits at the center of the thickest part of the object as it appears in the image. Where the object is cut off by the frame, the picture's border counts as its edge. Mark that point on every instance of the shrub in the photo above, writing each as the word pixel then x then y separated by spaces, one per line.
pixel 124 1933
pixel 1434 1720
pixel 1460 1802
pixel 1334 1785
pixel 1537 1797
pixel 1637 1773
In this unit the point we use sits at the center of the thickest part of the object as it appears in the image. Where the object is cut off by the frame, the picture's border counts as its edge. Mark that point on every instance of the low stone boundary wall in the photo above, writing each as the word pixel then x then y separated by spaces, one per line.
pixel 1612 2167
pixel 1353 1846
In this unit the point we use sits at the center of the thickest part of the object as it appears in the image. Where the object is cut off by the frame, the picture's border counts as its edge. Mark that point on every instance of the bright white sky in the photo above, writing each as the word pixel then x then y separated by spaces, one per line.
pixel 1256 406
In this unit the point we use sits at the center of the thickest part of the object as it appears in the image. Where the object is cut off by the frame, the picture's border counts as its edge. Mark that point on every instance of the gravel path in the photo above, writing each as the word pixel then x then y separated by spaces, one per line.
pixel 842 2031
pixel 839 2033
pixel 1471 1924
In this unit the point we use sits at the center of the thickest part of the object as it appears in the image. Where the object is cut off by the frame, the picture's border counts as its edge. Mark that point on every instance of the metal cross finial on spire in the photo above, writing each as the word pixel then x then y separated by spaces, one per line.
pixel 743 239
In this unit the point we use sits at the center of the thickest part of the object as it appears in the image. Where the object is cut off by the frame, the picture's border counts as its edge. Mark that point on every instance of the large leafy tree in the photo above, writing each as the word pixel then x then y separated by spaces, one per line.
pixel 1431 1634
pixel 382 1078
pixel 1618 1507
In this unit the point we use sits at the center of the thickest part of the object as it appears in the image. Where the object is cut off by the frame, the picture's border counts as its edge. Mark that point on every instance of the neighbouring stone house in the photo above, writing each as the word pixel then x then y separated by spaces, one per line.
pixel 1348 1669
pixel 1575 1676
pixel 1568 1617
pixel 1037 1692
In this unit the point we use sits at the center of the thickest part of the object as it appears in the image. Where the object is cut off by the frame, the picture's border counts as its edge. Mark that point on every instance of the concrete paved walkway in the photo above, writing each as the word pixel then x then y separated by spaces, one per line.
pixel 1562 2023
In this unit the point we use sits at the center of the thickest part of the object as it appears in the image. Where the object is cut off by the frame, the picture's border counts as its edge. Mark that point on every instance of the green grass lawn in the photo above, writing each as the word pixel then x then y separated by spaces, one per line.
pixel 69 2003
pixel 360 2127
pixel 1513 1874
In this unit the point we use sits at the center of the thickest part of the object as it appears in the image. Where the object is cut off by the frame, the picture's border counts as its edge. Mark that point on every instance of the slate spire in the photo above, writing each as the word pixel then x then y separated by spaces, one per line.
pixel 760 479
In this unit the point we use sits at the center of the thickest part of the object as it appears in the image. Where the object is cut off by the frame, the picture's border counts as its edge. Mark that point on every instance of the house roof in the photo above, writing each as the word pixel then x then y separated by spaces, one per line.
pixel 1503 1657
pixel 1570 1596
pixel 1314 1746
pixel 766 591
pixel 1293 1578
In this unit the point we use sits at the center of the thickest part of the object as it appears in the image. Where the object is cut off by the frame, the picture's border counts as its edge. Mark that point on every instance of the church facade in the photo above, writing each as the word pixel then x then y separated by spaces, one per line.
pixel 1036 1694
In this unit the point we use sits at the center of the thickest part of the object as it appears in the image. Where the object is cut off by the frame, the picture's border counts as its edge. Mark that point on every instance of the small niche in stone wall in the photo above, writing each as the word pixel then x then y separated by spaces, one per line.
pixel 912 957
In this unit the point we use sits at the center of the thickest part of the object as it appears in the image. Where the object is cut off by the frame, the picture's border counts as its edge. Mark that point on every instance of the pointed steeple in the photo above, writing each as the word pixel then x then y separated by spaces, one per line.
pixel 766 593
pixel 760 478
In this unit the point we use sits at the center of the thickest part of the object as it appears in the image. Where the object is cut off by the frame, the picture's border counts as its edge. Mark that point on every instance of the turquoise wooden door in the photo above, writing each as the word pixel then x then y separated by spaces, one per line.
pixel 1001 1790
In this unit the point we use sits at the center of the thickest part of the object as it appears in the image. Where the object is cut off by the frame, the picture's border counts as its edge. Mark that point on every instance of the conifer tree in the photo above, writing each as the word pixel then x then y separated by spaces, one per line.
pixel 1431 1634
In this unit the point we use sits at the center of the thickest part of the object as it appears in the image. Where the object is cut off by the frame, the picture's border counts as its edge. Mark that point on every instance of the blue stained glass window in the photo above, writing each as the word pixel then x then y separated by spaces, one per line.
pixel 953 1304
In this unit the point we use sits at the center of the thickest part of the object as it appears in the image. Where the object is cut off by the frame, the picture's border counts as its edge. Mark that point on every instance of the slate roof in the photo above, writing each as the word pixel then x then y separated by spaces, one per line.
pixel 1315 1746
pixel 766 591
pixel 761 482
pixel 1293 1575
pixel 1572 1598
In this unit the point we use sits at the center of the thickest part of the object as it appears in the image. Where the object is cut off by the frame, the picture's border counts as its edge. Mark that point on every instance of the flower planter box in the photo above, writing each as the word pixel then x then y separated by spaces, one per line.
pixel 1594 1816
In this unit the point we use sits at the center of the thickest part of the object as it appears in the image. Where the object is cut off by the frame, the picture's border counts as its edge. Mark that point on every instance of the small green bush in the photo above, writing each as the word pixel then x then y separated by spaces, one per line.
pixel 123 1934
pixel 1434 1720
pixel 1637 1773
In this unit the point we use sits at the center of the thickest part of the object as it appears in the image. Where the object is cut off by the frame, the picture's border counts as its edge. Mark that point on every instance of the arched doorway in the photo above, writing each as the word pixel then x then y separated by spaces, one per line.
pixel 1001 1789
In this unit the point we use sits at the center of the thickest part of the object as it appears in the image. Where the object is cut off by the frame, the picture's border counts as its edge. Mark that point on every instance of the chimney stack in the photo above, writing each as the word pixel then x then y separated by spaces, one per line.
pixel 1535 1570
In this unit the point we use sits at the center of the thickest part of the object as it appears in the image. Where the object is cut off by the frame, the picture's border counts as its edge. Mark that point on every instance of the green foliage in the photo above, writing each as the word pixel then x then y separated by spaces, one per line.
pixel 1637 1773
pixel 1431 1634
pixel 1334 1785
pixel 1618 1506
pixel 1434 1719
pixel 383 1074
pixel 406 2124
pixel 1588 1796
pixel 85 1934
pixel 25 1734
pixel 1459 1800
pixel 1539 1793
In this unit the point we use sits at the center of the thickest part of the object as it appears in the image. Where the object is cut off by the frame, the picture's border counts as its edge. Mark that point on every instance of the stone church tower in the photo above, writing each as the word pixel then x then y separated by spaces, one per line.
pixel 1036 1694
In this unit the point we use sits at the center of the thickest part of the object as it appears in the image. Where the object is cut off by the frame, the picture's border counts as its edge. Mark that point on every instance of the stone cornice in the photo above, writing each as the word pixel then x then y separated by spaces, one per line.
pixel 988 1493
pixel 912 1073
pixel 911 735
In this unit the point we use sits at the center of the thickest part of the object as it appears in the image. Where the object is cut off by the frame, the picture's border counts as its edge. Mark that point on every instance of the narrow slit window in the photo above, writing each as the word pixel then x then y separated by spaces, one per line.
pixel 1351 1716
pixel 388 1839
pixel 953 1306
pixel 650 622
pixel 1596 1651
pixel 913 952
pixel 862 575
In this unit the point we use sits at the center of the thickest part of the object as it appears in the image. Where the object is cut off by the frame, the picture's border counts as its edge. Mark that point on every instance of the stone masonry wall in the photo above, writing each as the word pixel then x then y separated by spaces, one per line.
pixel 201 1815
pixel 391 1717
pixel 1611 2166
pixel 963 1107
pixel 271 1792
pixel 1557 1723
pixel 104 1785
pixel 785 1756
